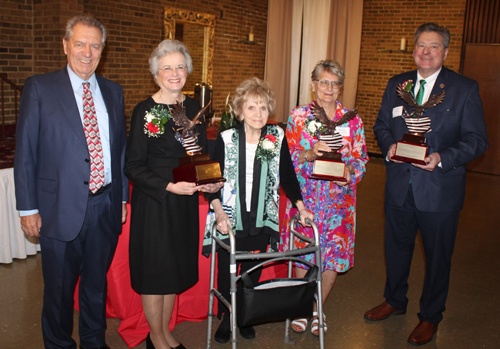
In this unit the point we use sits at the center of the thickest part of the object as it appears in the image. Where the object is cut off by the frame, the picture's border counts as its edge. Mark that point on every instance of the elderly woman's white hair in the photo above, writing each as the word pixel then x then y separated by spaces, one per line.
pixel 167 47
pixel 256 89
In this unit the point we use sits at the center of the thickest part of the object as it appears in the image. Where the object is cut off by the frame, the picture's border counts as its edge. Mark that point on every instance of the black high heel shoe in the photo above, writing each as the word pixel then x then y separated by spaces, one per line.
pixel 149 342
pixel 150 345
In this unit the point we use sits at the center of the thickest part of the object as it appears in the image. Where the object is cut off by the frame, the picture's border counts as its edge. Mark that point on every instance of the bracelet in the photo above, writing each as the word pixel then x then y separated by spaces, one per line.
pixel 305 156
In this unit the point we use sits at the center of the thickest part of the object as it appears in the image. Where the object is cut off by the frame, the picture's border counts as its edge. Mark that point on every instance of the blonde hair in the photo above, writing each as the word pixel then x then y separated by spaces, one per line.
pixel 329 66
pixel 253 88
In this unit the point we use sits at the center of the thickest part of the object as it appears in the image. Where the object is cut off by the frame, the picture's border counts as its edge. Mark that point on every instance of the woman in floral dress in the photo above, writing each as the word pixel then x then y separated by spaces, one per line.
pixel 333 203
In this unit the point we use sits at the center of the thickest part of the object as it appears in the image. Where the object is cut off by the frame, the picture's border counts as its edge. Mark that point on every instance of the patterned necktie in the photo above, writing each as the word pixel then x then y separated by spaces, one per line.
pixel 91 129
pixel 421 91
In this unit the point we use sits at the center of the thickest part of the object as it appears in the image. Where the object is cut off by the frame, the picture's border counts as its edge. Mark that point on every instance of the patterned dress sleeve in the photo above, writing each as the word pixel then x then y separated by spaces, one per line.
pixel 354 152
pixel 299 140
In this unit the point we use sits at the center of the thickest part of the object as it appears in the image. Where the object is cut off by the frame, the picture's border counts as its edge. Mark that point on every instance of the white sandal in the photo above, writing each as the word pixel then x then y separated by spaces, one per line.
pixel 302 323
pixel 315 324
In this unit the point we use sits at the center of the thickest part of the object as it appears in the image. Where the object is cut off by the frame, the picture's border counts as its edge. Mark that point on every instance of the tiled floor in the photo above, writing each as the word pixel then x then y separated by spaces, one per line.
pixel 470 321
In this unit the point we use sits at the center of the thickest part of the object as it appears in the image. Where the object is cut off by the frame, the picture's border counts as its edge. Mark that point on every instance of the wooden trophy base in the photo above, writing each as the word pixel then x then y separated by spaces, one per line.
pixel 198 169
pixel 411 149
pixel 329 167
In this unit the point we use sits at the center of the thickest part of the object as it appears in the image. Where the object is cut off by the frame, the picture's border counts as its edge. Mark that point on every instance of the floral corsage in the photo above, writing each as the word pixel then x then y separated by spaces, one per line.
pixel 155 121
pixel 408 86
pixel 313 126
pixel 267 148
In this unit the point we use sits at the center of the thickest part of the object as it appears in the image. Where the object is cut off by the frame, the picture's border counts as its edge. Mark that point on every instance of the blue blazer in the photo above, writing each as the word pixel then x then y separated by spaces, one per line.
pixel 51 166
pixel 458 134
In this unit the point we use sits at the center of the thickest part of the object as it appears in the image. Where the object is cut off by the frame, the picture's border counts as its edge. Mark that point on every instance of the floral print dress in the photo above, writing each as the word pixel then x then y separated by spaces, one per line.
pixel 334 207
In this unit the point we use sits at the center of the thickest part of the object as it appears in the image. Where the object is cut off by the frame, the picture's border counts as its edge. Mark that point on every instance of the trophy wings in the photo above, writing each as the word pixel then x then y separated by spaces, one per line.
pixel 418 110
pixel 434 100
pixel 187 126
pixel 320 114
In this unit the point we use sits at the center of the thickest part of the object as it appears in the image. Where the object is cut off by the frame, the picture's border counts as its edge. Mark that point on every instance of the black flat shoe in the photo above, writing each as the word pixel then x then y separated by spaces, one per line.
pixel 247 332
pixel 224 331
pixel 180 346
pixel 149 342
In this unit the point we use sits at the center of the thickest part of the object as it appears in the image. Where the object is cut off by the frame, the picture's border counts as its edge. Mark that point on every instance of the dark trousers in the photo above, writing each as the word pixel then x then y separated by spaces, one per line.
pixel 88 256
pixel 438 231
pixel 250 243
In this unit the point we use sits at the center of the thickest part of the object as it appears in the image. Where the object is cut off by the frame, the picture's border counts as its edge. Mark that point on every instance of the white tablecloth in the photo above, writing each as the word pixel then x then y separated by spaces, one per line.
pixel 13 242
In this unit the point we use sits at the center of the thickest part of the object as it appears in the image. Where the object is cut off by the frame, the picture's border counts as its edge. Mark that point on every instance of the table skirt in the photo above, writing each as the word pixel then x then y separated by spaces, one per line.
pixel 13 242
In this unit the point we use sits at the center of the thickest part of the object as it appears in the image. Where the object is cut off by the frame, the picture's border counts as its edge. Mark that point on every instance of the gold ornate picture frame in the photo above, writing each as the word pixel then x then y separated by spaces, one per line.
pixel 175 16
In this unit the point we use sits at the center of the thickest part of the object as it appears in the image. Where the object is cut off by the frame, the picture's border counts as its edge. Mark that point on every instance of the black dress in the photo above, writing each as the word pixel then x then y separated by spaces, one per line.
pixel 164 228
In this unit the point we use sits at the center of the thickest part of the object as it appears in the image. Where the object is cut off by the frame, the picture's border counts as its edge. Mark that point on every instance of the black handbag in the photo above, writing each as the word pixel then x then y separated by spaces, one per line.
pixel 276 299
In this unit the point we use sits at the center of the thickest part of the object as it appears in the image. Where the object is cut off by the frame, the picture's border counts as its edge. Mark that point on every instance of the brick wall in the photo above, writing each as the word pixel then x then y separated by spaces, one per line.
pixel 384 24
pixel 32 31
pixel 16 49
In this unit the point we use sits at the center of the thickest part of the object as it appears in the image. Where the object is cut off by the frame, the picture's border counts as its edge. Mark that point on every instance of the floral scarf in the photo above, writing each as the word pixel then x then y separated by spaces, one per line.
pixel 268 198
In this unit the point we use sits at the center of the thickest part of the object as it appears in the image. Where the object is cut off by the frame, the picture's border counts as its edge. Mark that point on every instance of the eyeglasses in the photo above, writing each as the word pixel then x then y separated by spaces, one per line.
pixel 325 83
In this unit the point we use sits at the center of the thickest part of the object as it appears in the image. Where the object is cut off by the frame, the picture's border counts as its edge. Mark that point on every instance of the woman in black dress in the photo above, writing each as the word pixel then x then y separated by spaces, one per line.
pixel 255 160
pixel 164 230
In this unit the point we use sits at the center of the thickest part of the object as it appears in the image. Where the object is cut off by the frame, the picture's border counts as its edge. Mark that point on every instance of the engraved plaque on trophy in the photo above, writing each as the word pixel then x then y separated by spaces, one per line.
pixel 412 147
pixel 330 166
pixel 195 167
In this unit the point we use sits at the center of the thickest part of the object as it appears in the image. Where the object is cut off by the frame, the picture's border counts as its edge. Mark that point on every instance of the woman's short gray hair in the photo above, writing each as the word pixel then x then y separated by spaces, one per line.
pixel 329 66
pixel 89 21
pixel 253 88
pixel 167 47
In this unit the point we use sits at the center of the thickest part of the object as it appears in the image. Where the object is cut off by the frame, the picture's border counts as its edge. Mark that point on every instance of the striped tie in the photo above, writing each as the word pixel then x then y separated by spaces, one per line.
pixel 91 129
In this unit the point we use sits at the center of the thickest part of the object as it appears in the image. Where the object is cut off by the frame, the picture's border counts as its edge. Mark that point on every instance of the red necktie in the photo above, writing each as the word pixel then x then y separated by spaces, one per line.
pixel 91 129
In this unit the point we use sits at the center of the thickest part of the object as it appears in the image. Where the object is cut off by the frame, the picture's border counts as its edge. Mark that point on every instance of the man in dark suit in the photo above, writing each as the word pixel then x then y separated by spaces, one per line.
pixel 427 197
pixel 70 187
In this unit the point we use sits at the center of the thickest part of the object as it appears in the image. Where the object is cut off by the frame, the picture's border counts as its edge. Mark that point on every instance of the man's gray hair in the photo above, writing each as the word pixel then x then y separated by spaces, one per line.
pixel 433 27
pixel 89 21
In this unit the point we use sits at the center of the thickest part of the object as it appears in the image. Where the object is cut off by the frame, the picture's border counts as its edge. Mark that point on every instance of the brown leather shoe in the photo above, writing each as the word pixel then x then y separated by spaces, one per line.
pixel 382 312
pixel 423 333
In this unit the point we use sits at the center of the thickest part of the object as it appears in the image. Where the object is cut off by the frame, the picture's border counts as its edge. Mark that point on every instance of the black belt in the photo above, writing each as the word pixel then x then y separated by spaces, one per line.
pixel 100 190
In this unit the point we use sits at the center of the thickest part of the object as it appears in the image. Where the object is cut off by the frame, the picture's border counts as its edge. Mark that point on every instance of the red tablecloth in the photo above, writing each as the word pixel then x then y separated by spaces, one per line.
pixel 192 305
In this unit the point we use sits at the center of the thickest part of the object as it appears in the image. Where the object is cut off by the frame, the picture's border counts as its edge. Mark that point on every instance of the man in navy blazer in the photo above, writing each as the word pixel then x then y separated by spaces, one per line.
pixel 427 197
pixel 77 228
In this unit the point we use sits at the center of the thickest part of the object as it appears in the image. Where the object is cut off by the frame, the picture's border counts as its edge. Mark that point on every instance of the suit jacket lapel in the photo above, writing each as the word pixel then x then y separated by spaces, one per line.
pixel 67 98
pixel 440 85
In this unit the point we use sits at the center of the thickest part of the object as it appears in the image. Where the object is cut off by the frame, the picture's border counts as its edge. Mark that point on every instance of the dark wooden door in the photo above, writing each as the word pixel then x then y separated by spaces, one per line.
pixel 482 63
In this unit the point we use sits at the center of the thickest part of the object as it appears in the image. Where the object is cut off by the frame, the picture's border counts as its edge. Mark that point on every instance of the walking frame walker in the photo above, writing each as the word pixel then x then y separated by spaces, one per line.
pixel 290 255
